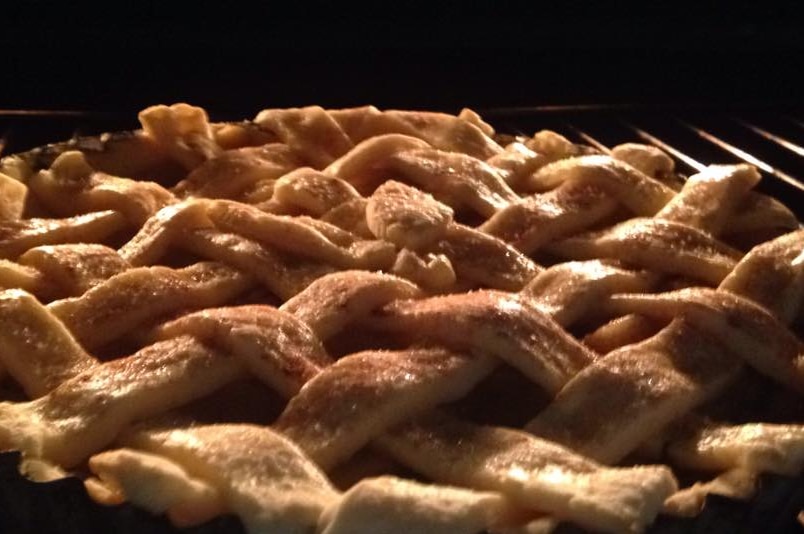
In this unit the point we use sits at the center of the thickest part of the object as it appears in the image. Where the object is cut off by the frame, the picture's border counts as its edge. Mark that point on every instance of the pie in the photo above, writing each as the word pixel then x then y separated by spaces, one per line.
pixel 349 321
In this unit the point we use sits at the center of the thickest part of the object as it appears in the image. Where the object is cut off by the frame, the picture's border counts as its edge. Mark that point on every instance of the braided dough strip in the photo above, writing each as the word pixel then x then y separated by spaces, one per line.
pixel 533 473
pixel 18 236
pixel 261 476
pixel 113 308
pixel 194 473
pixel 35 347
pixel 614 405
pixel 86 412
pixel 504 325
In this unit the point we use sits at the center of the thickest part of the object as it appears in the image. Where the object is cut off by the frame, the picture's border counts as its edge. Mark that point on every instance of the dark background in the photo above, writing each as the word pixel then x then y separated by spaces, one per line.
pixel 236 60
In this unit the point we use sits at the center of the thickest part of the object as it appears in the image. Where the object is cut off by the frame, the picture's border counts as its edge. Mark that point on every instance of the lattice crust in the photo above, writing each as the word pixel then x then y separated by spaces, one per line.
pixel 379 274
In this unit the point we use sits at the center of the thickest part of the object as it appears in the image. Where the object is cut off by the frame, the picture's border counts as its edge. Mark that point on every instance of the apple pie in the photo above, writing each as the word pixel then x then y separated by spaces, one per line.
pixel 361 321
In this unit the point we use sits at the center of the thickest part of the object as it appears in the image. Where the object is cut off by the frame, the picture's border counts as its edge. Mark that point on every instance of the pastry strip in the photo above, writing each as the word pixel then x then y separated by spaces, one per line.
pixel 136 296
pixel 35 347
pixel 658 245
pixel 277 347
pixel 19 236
pixel 504 325
pixel 71 186
pixel 88 411
pixel 262 476
pixel 533 473
pixel 332 302
pixel 355 399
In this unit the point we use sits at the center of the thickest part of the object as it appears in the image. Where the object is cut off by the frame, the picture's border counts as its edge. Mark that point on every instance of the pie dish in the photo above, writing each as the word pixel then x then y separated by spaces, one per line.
pixel 347 321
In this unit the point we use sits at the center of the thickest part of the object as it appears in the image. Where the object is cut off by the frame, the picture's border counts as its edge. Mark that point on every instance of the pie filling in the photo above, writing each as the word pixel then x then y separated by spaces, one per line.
pixel 348 321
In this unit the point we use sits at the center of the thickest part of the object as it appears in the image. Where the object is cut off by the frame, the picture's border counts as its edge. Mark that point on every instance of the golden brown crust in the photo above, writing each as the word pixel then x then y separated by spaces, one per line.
pixel 361 281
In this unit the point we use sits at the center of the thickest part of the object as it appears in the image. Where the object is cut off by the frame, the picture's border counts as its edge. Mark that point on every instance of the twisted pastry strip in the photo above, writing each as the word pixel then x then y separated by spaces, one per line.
pixel 507 326
pixel 86 412
pixel 18 236
pixel 534 473
pixel 298 236
pixel 640 193
pixel 235 173
pixel 482 260
pixel 466 133
pixel 282 273
pixel 660 245
pixel 201 226
pixel 619 332
pixel 35 348
pixel 746 329
pixel 276 347
pixel 293 235
pixel 153 483
pixel 311 191
pixel 755 212
pixel 568 291
pixel 72 187
pixel 454 178
pixel 109 310
pixel 192 474
pixel 53 272
pixel 16 276
pixel 259 474
pixel 12 198
pixel 583 192
pixel 524 156
pixel 331 303
pixel 366 166
pixel 374 398
pixel 609 408
pixel 159 233
pixel 72 270
pixel 615 404
pixel 770 270
pixel 740 453
pixel 533 222
pixel 647 159
pixel 708 198
pixel 182 131
pixel 310 131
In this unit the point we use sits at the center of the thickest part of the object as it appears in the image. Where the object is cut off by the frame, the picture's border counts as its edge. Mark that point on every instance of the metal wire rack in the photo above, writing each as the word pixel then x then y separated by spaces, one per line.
pixel 771 141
